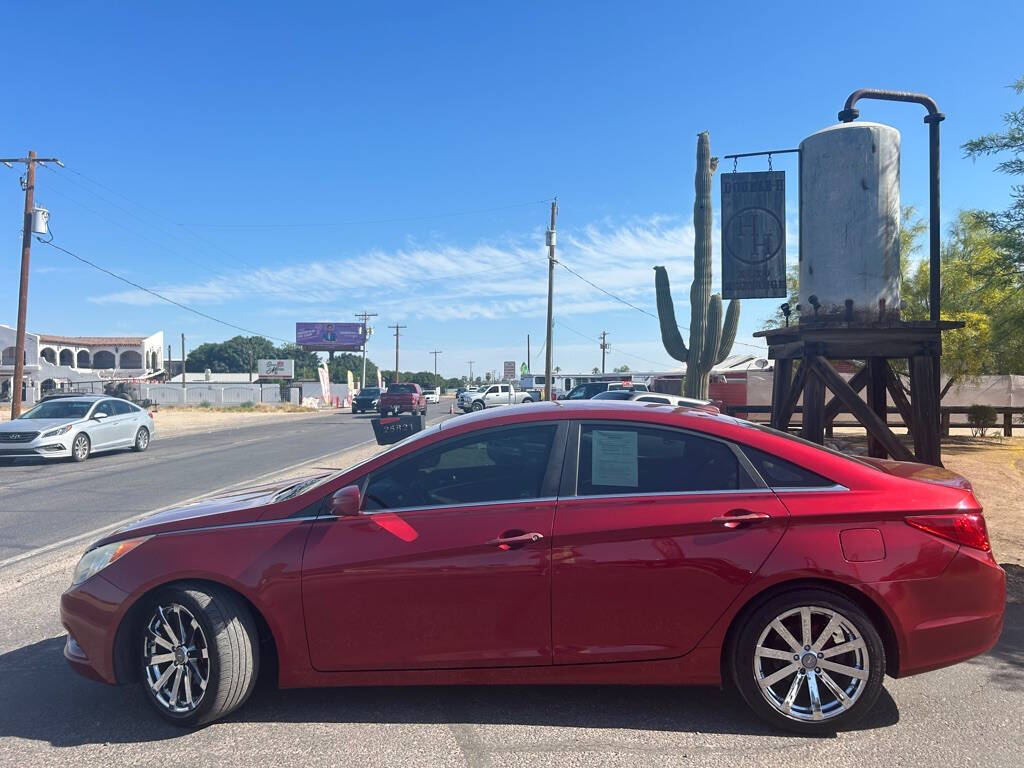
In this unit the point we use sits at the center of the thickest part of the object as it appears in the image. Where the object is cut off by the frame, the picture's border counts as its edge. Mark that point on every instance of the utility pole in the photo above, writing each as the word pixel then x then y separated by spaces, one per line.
pixel 435 353
pixel 167 363
pixel 527 353
pixel 551 298
pixel 183 362
pixel 26 251
pixel 398 329
pixel 365 316
pixel 605 346
pixel 471 371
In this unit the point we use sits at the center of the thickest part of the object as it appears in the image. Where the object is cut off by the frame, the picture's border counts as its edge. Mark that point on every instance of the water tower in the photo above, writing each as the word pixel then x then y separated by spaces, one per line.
pixel 850 290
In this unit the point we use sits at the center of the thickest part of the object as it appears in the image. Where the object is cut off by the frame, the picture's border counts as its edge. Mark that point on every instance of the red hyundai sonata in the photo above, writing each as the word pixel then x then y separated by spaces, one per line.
pixel 598 542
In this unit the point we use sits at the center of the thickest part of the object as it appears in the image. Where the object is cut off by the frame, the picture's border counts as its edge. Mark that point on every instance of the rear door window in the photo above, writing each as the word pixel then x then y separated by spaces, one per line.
pixel 633 459
pixel 121 408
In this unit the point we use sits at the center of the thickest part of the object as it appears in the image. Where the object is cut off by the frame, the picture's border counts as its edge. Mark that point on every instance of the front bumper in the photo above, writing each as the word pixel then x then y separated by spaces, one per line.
pixel 91 614
pixel 47 448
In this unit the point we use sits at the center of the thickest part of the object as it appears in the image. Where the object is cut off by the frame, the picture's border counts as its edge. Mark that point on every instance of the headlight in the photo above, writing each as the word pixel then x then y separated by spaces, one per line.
pixel 58 431
pixel 95 560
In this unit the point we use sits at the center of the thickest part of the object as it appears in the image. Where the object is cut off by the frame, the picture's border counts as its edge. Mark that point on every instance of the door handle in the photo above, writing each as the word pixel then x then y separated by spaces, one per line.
pixel 735 520
pixel 505 542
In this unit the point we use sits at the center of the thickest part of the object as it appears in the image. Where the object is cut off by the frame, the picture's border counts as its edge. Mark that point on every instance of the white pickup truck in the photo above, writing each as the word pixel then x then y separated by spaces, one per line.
pixel 492 396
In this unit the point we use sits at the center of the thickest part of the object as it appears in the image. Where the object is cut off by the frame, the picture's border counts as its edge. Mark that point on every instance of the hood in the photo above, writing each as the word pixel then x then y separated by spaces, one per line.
pixel 925 473
pixel 33 425
pixel 241 505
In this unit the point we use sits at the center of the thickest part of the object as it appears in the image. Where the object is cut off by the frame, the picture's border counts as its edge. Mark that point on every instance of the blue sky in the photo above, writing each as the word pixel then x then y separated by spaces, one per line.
pixel 270 163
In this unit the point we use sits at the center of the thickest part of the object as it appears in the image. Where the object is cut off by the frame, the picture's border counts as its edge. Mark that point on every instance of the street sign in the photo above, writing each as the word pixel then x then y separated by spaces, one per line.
pixel 754 235
pixel 331 337
pixel 275 369
pixel 510 370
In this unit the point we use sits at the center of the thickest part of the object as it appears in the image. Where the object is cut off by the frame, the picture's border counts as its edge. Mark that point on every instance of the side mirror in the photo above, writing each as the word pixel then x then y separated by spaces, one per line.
pixel 346 502
pixel 99 416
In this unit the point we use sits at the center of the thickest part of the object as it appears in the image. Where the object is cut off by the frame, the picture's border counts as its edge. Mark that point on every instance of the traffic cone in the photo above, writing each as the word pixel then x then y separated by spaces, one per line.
pixel 451 409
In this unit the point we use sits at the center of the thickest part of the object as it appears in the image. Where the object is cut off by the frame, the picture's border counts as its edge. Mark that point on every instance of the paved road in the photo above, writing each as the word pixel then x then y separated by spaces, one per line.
pixel 45 502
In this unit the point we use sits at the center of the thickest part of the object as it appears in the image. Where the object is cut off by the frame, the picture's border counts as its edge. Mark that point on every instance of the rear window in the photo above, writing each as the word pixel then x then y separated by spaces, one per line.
pixel 618 394
pixel 401 389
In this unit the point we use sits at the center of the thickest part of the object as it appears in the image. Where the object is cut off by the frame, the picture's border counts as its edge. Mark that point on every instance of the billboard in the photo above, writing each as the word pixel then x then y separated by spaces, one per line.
pixel 754 235
pixel 509 371
pixel 328 337
pixel 275 369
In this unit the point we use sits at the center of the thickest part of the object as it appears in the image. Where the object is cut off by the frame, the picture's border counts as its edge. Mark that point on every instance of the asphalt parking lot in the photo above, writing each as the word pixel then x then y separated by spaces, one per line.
pixel 970 714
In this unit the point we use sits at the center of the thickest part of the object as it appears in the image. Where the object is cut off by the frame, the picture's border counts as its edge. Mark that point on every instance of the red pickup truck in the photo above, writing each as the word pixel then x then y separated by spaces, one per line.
pixel 402 397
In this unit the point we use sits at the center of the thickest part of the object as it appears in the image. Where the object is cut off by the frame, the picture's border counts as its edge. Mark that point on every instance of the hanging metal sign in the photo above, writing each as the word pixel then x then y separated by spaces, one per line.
pixel 754 235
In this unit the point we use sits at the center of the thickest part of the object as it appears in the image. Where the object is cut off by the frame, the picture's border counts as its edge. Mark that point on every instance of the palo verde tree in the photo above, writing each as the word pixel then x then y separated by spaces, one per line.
pixel 710 339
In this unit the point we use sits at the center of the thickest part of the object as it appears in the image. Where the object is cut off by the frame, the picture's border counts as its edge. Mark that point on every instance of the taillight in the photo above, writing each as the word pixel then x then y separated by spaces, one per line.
pixel 967 528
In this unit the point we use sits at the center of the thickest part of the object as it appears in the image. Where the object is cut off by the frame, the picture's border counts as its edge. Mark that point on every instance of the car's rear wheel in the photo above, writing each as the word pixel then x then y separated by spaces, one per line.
pixel 809 661
pixel 200 653
pixel 81 447
pixel 141 440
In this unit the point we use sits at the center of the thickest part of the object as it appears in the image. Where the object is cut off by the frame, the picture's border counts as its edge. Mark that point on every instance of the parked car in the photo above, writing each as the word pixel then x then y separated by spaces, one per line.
pixel 76 427
pixel 643 396
pixel 493 396
pixel 405 397
pixel 689 548
pixel 433 395
pixel 591 388
pixel 366 400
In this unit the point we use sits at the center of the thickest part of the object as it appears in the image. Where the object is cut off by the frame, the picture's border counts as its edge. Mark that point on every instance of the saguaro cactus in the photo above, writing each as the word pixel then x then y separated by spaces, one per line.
pixel 710 340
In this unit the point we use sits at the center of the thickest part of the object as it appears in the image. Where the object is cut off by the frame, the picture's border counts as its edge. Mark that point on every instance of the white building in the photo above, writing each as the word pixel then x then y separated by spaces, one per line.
pixel 61 362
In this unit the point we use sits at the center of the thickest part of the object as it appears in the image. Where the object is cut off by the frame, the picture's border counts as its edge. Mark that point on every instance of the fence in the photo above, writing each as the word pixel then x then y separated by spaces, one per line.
pixel 215 394
pixel 948 412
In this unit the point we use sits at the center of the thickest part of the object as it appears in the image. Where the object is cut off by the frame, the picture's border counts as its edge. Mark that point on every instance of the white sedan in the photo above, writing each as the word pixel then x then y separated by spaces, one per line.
pixel 76 427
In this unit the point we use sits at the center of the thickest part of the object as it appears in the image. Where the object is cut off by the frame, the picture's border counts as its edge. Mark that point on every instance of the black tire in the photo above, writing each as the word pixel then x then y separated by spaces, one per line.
pixel 527 400
pixel 820 603
pixel 81 447
pixel 230 638
pixel 478 406
pixel 141 440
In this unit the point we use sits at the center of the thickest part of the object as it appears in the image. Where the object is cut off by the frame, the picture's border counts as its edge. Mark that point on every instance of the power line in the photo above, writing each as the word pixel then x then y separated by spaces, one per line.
pixel 634 306
pixel 160 295
pixel 394 220
pixel 621 351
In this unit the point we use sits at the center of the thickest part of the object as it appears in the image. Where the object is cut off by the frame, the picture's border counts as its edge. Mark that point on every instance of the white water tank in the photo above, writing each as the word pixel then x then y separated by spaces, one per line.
pixel 850 223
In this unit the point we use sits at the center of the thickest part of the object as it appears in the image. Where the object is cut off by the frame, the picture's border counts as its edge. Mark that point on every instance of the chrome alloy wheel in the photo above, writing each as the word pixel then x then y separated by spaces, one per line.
pixel 142 439
pixel 811 663
pixel 80 447
pixel 176 658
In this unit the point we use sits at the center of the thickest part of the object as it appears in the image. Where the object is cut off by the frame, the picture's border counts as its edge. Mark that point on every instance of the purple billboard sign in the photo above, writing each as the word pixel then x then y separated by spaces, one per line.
pixel 343 337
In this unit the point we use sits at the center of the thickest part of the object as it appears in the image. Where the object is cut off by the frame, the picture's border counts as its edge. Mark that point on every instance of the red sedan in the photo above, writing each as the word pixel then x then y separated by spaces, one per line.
pixel 561 543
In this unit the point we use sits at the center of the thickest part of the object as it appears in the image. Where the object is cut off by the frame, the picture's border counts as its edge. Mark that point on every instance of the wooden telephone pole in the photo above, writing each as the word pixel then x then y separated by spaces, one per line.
pixel 26 251
pixel 398 329
pixel 551 299
pixel 605 346
pixel 365 316
pixel 435 353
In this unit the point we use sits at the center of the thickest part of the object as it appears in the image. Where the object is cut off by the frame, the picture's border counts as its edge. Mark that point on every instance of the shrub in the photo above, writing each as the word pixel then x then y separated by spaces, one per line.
pixel 248 405
pixel 206 404
pixel 981 418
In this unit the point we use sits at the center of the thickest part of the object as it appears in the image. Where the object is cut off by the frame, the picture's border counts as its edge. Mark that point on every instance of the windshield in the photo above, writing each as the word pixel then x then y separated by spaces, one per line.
pixel 59 409
pixel 401 388
pixel 618 394
pixel 370 392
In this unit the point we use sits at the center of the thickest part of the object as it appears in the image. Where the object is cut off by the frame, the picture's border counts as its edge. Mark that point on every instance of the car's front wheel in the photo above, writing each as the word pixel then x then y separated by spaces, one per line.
pixel 141 440
pixel 809 661
pixel 80 447
pixel 200 653
pixel 478 406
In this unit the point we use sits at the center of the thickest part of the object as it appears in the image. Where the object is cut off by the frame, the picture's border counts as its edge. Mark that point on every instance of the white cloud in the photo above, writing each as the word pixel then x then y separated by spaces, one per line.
pixel 487 280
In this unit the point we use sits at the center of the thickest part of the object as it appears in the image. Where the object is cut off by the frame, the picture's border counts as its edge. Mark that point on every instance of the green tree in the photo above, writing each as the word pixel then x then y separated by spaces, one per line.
pixel 1007 226
pixel 620 369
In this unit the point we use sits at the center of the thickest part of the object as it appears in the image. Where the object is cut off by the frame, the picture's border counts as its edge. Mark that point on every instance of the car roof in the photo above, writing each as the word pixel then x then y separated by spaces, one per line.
pixel 84 396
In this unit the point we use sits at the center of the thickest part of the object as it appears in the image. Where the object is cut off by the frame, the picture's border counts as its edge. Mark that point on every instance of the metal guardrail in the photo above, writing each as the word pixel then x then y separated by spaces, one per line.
pixel 947 412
